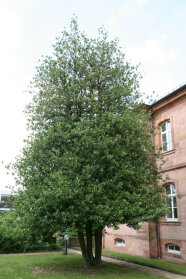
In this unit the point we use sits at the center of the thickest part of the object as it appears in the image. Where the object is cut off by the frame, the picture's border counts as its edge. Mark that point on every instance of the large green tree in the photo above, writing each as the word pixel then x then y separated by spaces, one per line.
pixel 89 161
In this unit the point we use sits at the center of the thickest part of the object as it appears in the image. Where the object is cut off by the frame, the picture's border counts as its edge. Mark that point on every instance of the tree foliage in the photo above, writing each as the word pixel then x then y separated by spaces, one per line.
pixel 89 161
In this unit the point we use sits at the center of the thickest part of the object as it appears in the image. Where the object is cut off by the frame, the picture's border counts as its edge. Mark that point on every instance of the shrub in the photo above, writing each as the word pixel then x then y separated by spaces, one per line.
pixel 14 237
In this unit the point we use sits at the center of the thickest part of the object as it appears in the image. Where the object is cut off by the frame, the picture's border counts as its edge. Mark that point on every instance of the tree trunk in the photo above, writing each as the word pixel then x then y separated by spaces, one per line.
pixel 98 246
pixel 84 249
pixel 89 242
pixel 87 253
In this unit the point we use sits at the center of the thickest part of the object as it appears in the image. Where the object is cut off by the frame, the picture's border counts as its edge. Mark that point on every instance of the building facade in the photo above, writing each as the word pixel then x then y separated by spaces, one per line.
pixel 166 240
pixel 5 201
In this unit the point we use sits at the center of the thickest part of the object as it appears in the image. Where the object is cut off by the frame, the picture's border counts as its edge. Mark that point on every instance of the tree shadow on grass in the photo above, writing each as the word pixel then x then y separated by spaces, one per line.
pixel 71 266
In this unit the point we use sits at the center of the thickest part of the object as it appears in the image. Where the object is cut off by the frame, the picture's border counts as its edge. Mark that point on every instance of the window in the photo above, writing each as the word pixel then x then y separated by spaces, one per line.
pixel 171 248
pixel 5 202
pixel 170 192
pixel 119 242
pixel 166 139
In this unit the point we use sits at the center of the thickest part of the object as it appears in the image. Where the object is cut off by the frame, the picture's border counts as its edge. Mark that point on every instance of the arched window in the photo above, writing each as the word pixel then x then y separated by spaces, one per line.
pixel 119 242
pixel 172 248
pixel 170 192
pixel 166 137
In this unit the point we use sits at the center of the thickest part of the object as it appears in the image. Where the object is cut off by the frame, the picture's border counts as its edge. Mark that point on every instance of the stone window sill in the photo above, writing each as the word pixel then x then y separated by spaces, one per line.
pixel 168 152
pixel 171 223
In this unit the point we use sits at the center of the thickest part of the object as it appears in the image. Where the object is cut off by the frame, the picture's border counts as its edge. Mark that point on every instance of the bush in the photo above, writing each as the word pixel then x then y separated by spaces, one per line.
pixel 10 235
pixel 14 237
pixel 9 242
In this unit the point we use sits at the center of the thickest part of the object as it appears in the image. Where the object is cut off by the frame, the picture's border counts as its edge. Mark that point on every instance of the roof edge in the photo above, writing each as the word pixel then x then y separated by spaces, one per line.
pixel 169 95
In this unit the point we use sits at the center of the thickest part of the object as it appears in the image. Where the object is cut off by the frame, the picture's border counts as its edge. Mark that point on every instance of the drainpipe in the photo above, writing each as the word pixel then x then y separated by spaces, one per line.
pixel 157 224
pixel 158 240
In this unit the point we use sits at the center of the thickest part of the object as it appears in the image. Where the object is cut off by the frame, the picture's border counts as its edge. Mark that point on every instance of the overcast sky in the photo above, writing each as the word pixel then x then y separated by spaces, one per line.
pixel 152 33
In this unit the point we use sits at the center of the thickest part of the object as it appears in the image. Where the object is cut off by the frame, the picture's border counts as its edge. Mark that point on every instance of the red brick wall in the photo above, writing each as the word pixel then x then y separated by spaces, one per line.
pixel 136 242
pixel 175 166
pixel 152 241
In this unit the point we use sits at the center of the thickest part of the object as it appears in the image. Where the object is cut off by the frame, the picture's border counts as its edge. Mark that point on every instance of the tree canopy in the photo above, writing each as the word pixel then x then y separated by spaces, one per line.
pixel 89 161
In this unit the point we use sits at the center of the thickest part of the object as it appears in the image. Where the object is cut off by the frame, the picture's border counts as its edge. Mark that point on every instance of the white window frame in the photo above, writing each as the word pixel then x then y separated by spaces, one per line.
pixel 172 197
pixel 174 251
pixel 121 243
pixel 167 134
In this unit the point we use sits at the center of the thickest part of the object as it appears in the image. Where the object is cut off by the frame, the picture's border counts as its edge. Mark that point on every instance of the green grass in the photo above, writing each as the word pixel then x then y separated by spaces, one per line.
pixel 58 266
pixel 173 267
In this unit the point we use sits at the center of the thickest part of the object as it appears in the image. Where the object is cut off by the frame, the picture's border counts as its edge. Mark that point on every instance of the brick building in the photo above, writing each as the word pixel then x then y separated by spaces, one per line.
pixel 167 239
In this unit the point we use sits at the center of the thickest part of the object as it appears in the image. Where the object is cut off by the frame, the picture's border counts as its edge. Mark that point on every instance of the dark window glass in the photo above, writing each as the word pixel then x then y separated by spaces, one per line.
pixel 177 248
pixel 175 213
pixel 163 127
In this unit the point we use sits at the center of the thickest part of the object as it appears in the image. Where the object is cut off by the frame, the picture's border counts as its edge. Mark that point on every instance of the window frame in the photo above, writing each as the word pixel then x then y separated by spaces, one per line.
pixel 168 136
pixel 173 201
pixel 119 244
pixel 173 251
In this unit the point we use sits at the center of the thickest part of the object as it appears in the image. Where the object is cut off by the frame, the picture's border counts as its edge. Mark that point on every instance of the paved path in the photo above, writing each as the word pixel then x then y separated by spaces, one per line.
pixel 143 268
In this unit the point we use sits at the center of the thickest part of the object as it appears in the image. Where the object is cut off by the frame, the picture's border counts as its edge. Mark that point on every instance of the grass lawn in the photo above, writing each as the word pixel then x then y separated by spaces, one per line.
pixel 58 266
pixel 179 268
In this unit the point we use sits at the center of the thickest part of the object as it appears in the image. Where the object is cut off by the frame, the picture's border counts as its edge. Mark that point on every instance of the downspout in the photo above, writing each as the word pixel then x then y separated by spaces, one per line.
pixel 157 223
pixel 158 240
pixel 103 236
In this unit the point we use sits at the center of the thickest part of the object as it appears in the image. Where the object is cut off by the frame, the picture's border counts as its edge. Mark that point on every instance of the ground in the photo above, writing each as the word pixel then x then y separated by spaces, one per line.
pixel 57 266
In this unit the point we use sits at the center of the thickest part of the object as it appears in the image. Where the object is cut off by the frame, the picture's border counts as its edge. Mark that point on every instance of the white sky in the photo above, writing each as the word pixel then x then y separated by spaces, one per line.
pixel 152 33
